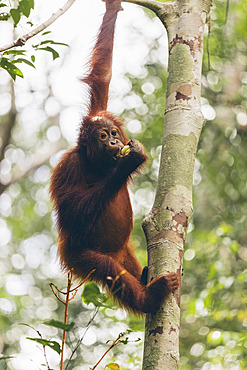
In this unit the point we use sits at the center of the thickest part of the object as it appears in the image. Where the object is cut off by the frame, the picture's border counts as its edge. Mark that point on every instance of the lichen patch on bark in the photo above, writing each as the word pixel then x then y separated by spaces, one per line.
pixel 180 67
pixel 179 152
pixel 194 44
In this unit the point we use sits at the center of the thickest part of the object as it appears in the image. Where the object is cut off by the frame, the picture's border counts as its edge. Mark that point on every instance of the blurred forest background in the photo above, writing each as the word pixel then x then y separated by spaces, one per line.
pixel 36 126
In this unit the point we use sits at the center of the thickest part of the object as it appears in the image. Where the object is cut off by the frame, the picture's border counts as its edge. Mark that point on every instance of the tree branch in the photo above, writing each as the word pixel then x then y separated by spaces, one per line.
pixel 111 346
pixel 154 5
pixel 160 9
pixel 23 39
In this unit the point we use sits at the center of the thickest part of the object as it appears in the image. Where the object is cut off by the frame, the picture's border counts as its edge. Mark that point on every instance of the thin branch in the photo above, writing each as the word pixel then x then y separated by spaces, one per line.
pixel 82 337
pixel 227 15
pixel 92 318
pixel 153 5
pixel 46 360
pixel 111 346
pixel 66 303
pixel 44 349
pixel 160 9
pixel 83 281
pixel 76 288
pixel 227 10
pixel 52 286
pixel 66 315
pixel 23 39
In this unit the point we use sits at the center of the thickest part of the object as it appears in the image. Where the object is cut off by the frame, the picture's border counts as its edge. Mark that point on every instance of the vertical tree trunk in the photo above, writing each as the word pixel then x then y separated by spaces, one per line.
pixel 166 225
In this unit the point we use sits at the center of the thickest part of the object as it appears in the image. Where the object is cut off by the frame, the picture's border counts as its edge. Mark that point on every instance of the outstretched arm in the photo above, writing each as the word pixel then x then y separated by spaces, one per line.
pixel 101 61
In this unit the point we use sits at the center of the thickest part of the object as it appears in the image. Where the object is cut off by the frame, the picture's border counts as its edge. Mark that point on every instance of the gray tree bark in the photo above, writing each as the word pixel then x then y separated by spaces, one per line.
pixel 166 225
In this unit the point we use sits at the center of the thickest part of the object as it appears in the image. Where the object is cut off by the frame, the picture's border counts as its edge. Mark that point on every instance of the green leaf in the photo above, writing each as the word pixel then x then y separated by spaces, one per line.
pixel 16 15
pixel 45 33
pixel 4 16
pixel 112 366
pixel 33 58
pixel 31 3
pixel 29 326
pixel 10 68
pixel 21 60
pixel 124 341
pixel 49 343
pixel 60 325
pixel 92 294
pixel 55 54
pixel 53 43
pixel 2 5
pixel 14 52
pixel 25 7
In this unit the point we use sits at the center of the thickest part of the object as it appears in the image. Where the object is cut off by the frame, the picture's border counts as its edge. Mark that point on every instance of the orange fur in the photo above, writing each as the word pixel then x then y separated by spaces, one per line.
pixel 90 195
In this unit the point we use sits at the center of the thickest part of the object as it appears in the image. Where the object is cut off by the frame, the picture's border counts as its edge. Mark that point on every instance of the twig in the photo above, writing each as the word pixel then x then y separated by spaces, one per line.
pixel 23 39
pixel 156 6
pixel 227 15
pixel 83 281
pixel 111 346
pixel 153 5
pixel 55 294
pixel 227 11
pixel 60 291
pixel 66 315
pixel 45 355
pixel 66 303
pixel 72 290
pixel 94 315
pixel 82 337
pixel 44 350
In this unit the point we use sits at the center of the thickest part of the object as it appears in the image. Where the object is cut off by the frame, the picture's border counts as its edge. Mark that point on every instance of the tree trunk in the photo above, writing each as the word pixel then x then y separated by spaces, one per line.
pixel 166 225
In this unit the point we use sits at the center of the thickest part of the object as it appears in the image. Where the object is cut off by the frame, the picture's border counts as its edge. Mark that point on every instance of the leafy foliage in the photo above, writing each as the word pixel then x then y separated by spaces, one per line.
pixel 213 304
pixel 60 325
pixel 92 294
pixel 48 48
pixel 24 8
pixel 8 59
pixel 48 343
pixel 10 67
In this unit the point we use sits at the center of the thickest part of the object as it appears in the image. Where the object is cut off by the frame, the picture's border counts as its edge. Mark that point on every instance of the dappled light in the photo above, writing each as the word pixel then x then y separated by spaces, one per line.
pixel 47 110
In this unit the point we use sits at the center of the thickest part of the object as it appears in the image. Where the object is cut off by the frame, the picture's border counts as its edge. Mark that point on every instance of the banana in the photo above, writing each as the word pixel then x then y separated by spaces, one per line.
pixel 125 150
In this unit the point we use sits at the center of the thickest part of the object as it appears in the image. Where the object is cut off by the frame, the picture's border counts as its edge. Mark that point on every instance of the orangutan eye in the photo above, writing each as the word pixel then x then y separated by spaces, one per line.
pixel 103 136
pixel 114 133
